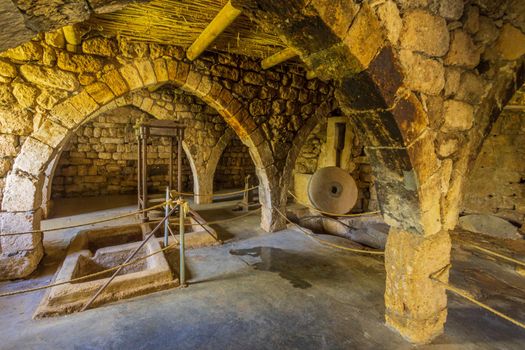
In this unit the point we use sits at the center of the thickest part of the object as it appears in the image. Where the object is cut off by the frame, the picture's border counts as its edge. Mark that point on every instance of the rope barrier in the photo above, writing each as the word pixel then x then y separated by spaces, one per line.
pixel 213 194
pixel 332 214
pixel 79 279
pixel 214 222
pixel 84 224
pixel 491 252
pixel 330 244
pixel 462 293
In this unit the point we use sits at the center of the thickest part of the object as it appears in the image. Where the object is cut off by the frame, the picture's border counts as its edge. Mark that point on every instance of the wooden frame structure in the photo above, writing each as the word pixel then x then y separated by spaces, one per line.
pixel 163 128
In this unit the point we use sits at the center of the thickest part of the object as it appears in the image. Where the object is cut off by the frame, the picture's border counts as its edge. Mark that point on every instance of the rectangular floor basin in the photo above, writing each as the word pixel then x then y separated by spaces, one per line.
pixel 93 251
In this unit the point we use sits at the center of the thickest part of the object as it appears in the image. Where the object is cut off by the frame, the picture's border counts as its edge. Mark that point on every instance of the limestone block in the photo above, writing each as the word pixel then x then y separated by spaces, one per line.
pixel 7 70
pixel 79 63
pixel 115 82
pixel 422 74
pixel 487 32
pixel 100 47
pixel 49 57
pixel 16 121
pixel 30 51
pixel 463 52
pixel 21 193
pixel 511 43
pixel 471 24
pixel 338 14
pixel 448 147
pixel 471 88
pixel 452 80
pixel 451 9
pixel 388 14
pixel 131 76
pixel 365 37
pixel 34 156
pixel 6 97
pixel 146 71
pixel 49 77
pixel 489 225
pixel 25 94
pixel 8 145
pixel 424 32
pixel 100 92
pixel 5 166
pixel 50 133
pixel 55 39
pixel 161 71
pixel 225 72
pixel 416 306
pixel 84 104
pixel 20 222
pixel 254 78
pixel 21 264
pixel 48 98
pixel 457 115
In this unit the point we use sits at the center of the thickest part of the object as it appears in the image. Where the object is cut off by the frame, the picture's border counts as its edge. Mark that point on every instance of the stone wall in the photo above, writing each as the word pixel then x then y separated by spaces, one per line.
pixel 100 158
pixel 496 185
pixel 235 164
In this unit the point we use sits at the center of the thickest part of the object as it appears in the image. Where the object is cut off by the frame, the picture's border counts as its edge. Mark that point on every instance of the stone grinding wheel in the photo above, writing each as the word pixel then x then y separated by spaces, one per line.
pixel 332 190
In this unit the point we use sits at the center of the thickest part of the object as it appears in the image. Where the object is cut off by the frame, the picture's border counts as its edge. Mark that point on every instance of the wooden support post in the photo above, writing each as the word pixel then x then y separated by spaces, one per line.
pixel 223 19
pixel 170 170
pixel 278 58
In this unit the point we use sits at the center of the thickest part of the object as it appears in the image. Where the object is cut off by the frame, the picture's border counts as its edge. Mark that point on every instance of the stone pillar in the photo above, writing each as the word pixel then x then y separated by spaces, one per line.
pixel 20 254
pixel 416 306
pixel 203 185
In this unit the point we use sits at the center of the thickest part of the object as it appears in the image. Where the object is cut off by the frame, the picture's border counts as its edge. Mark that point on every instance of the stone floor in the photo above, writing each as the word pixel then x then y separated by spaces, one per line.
pixel 259 291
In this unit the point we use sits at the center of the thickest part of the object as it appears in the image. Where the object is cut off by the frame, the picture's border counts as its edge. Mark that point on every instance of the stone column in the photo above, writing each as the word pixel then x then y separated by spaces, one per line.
pixel 203 185
pixel 416 306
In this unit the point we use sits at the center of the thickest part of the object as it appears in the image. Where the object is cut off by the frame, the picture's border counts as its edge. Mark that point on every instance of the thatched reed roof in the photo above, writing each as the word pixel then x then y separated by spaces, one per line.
pixel 179 22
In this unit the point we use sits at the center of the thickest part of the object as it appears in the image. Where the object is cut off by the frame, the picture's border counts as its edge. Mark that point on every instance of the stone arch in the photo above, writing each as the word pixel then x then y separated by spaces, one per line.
pixel 22 198
pixel 353 52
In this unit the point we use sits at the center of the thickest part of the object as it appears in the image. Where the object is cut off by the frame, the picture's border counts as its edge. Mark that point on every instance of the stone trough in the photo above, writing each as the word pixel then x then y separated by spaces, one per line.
pixel 92 251
pixel 96 250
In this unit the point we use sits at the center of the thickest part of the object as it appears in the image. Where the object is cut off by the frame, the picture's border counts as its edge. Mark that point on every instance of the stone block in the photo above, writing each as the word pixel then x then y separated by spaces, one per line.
pixel 116 83
pixel 451 9
pixel 365 37
pixel 25 94
pixel 49 77
pixel 146 71
pixel 424 32
pixel 161 71
pixel 458 116
pixel 131 76
pixel 416 306
pixel 55 38
pixel 388 14
pixel 79 63
pixel 511 43
pixel 34 157
pixel 30 51
pixel 100 47
pixel 8 145
pixel 171 66
pixel 100 92
pixel 463 52
pixel 84 104
pixel 21 264
pixel 422 74
pixel 20 222
pixel 7 70
pixel 490 225
pixel 21 193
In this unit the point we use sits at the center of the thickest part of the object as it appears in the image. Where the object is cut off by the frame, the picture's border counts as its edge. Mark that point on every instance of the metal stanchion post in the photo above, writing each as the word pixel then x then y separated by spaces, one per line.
pixel 181 243
pixel 167 222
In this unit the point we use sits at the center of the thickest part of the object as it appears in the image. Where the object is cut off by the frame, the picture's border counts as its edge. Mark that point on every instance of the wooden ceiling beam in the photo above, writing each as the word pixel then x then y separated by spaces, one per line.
pixel 278 58
pixel 223 19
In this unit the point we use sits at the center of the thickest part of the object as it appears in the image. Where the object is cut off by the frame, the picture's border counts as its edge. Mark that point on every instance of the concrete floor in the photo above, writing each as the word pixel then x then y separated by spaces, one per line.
pixel 258 291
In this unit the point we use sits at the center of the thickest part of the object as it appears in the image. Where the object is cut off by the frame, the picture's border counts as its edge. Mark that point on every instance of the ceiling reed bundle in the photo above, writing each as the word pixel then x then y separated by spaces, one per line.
pixel 179 22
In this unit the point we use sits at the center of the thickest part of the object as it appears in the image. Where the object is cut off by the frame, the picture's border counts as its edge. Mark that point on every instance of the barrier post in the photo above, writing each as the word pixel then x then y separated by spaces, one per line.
pixel 167 221
pixel 182 268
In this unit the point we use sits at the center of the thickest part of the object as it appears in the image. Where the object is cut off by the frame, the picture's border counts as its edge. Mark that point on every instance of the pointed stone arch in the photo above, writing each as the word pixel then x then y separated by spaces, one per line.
pixel 23 193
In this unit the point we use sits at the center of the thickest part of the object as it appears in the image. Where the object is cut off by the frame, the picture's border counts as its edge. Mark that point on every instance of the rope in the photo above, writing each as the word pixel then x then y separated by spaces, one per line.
pixel 213 194
pixel 84 224
pixel 214 222
pixel 330 244
pixel 466 295
pixel 78 279
pixel 491 252
pixel 331 214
